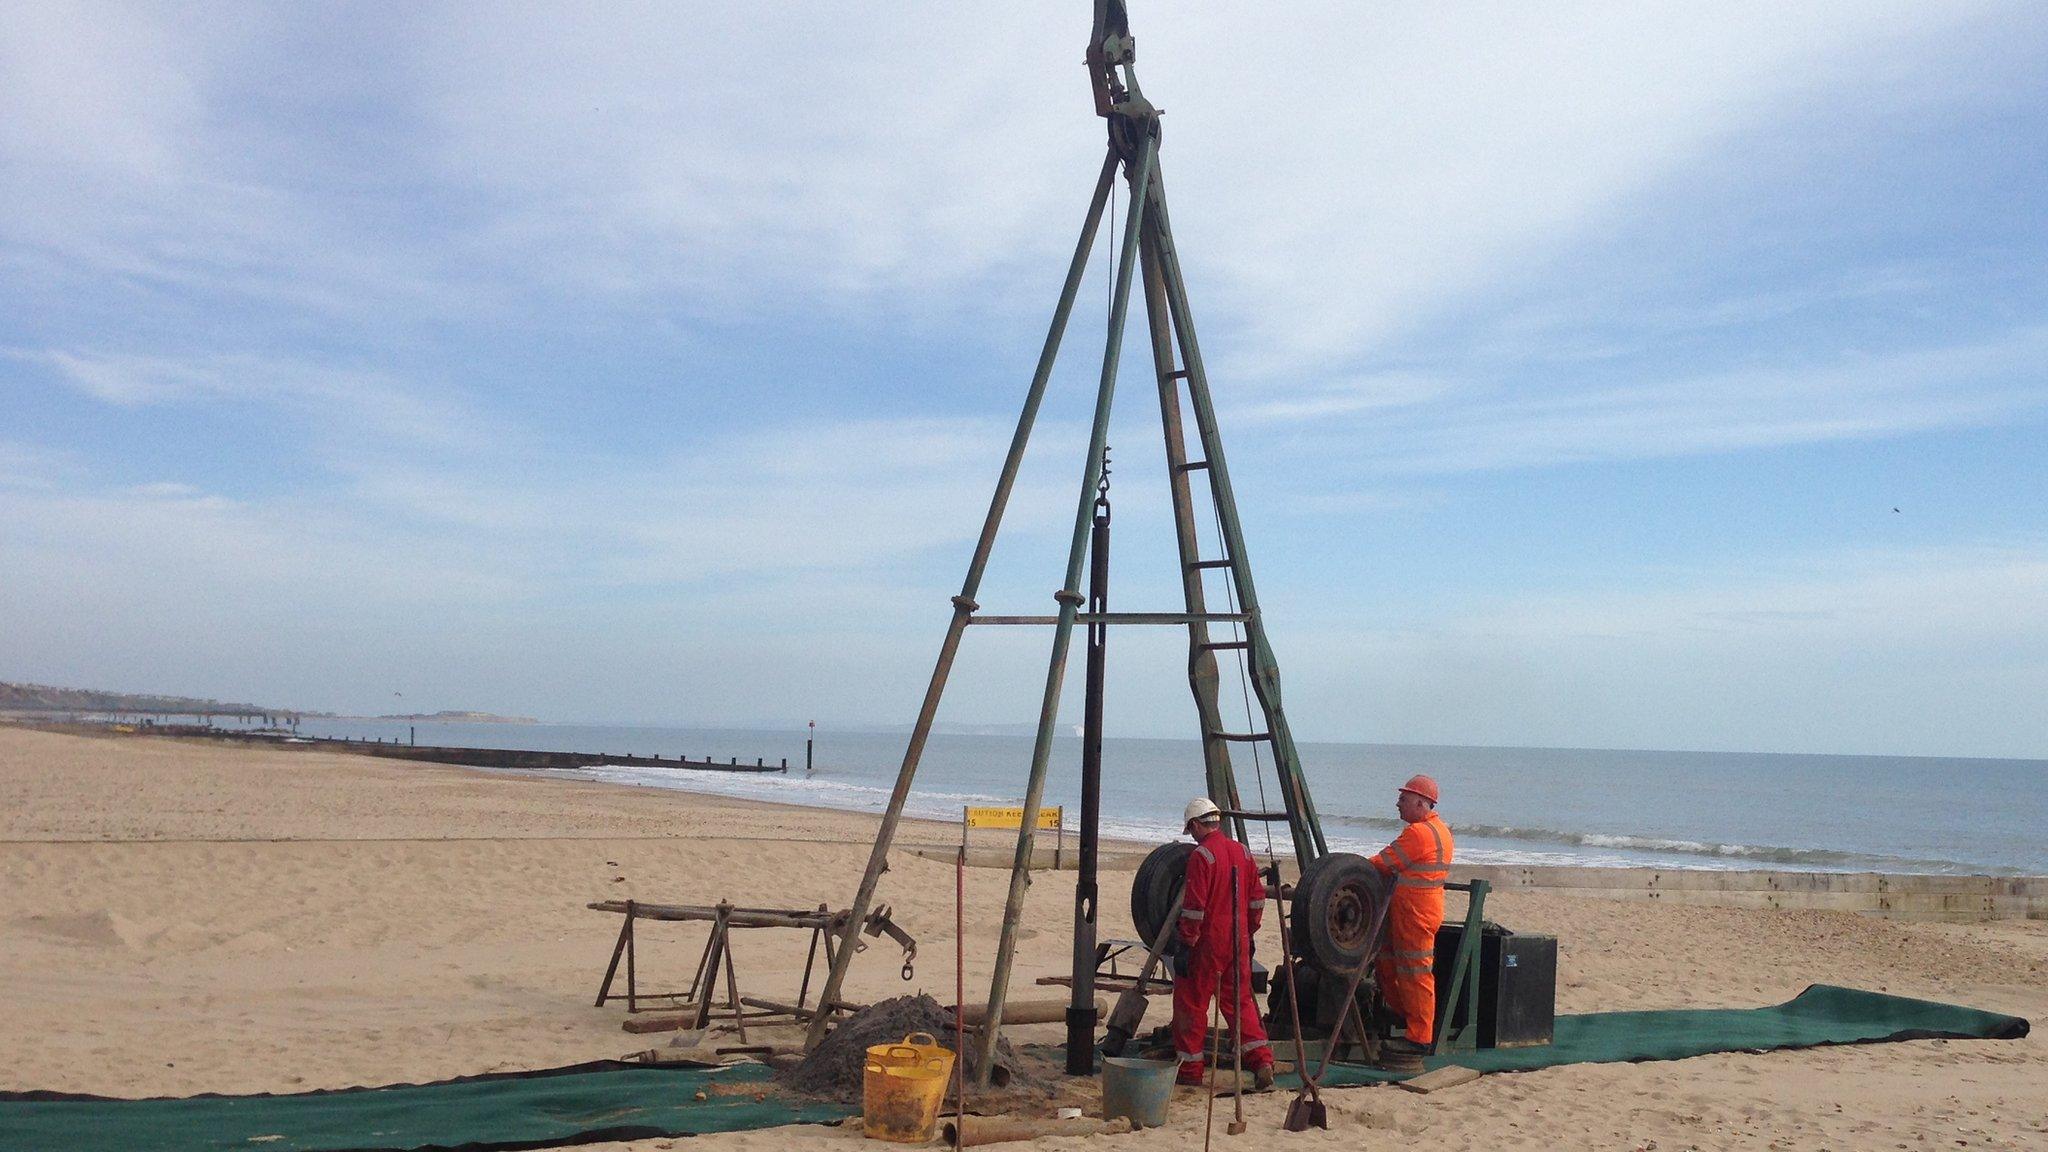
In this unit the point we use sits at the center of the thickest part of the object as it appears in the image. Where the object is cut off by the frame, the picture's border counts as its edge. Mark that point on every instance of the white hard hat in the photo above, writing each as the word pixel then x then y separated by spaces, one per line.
pixel 1200 808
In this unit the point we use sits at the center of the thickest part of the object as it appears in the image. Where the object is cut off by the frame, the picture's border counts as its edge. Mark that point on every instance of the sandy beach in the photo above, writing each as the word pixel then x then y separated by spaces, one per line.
pixel 178 918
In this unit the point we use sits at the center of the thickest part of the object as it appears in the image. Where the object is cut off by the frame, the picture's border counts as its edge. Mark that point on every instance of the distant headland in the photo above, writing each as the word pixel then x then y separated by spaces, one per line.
pixel 35 698
pixel 43 700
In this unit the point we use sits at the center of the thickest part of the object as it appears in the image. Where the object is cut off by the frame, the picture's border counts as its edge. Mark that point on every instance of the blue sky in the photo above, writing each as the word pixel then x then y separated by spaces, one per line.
pixel 654 363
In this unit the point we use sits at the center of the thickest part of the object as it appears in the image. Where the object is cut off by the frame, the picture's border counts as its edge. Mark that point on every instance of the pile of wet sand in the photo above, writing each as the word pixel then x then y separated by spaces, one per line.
pixel 836 1068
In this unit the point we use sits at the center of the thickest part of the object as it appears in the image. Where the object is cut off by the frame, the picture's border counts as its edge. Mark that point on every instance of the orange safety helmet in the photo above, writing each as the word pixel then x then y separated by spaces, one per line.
pixel 1422 786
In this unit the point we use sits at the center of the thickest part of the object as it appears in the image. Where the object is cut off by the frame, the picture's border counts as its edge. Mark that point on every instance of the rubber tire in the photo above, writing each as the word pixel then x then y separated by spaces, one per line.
pixel 1157 885
pixel 1344 886
pixel 1297 930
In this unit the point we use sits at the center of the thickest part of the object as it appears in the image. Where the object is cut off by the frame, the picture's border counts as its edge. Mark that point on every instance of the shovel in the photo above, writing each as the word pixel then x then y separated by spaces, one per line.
pixel 1307 1111
pixel 1130 1007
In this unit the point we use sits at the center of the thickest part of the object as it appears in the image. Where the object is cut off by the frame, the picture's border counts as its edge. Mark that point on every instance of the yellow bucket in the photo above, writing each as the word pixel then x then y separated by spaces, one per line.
pixel 903 1087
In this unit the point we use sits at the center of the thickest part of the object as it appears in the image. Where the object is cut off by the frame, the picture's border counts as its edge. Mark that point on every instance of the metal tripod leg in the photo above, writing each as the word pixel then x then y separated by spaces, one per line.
pixel 1070 600
pixel 963 606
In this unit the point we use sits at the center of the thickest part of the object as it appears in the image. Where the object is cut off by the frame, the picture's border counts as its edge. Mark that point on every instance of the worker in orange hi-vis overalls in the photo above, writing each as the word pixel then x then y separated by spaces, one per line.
pixel 1419 861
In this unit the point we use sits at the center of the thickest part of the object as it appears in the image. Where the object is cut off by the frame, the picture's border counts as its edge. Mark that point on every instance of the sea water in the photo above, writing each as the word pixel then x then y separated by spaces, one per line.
pixel 1507 805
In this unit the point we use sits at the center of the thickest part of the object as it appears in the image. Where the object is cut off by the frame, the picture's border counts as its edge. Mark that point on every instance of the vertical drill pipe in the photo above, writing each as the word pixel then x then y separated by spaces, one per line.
pixel 1237 998
pixel 963 604
pixel 1302 820
pixel 1063 629
pixel 1081 1007
pixel 960 988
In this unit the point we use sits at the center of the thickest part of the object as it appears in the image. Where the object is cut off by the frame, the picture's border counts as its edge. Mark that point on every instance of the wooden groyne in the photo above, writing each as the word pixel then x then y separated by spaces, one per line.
pixel 1893 895
pixel 520 758
pixel 465 757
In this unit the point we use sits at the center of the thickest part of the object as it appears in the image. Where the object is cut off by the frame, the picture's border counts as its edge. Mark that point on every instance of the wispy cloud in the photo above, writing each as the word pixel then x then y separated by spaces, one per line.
pixel 100 96
pixel 845 498
pixel 334 396
pixel 443 247
pixel 1533 420
pixel 739 546
pixel 1952 595
pixel 1451 150
pixel 34 466
pixel 1639 316
pixel 639 152
pixel 1356 396
pixel 88 551
pixel 1931 651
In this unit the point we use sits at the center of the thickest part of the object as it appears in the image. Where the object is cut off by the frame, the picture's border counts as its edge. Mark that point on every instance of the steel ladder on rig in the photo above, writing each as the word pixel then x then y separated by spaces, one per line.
pixel 1178 368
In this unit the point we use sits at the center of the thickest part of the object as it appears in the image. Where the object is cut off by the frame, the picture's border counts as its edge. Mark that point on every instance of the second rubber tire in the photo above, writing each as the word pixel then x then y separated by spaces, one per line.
pixel 1336 905
pixel 1157 885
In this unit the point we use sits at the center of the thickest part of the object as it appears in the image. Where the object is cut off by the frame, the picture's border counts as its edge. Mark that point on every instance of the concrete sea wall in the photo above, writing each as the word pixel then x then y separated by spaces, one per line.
pixel 1895 895
pixel 1900 896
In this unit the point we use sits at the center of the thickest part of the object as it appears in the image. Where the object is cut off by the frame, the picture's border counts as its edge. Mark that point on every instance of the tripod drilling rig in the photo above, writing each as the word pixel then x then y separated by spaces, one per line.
pixel 1339 898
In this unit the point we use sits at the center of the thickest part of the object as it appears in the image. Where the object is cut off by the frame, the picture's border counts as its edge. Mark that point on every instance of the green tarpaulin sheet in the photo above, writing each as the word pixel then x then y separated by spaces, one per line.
pixel 582 1104
pixel 611 1101
pixel 1823 1014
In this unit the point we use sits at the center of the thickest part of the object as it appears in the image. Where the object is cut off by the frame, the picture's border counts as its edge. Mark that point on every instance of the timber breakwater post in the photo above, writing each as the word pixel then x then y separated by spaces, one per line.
pixel 522 758
pixel 531 759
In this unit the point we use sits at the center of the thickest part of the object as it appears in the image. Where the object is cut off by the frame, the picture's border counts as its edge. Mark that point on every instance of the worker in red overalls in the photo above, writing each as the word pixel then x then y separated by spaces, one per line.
pixel 1418 862
pixel 1202 962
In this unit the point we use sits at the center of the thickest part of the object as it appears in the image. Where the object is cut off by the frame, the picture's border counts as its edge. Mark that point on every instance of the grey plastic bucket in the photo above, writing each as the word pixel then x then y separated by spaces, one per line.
pixel 1138 1089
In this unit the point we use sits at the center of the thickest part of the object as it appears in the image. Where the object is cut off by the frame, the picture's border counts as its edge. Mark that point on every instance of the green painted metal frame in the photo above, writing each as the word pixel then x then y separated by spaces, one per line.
pixel 1070 600
pixel 1148 242
pixel 1204 674
pixel 964 605
pixel 1303 824
pixel 1464 999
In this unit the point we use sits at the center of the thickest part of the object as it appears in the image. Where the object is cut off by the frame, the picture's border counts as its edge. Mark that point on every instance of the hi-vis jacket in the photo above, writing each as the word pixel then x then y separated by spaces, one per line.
pixel 1419 859
pixel 1206 901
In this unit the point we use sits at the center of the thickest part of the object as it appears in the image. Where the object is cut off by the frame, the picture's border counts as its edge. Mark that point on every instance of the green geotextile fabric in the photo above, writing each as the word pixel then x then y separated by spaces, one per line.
pixel 588 1103
pixel 1823 1014
pixel 582 1104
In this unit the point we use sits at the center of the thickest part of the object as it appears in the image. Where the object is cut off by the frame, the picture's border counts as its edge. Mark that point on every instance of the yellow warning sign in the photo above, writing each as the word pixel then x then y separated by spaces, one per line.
pixel 1048 818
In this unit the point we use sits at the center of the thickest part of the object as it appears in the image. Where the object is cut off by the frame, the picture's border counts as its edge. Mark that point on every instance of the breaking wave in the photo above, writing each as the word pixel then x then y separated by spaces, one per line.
pixel 779 788
pixel 844 796
pixel 1478 843
pixel 1825 859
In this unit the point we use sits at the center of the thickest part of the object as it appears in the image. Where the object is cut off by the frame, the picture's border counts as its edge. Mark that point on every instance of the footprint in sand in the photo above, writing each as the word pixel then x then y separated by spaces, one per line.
pixel 96 929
